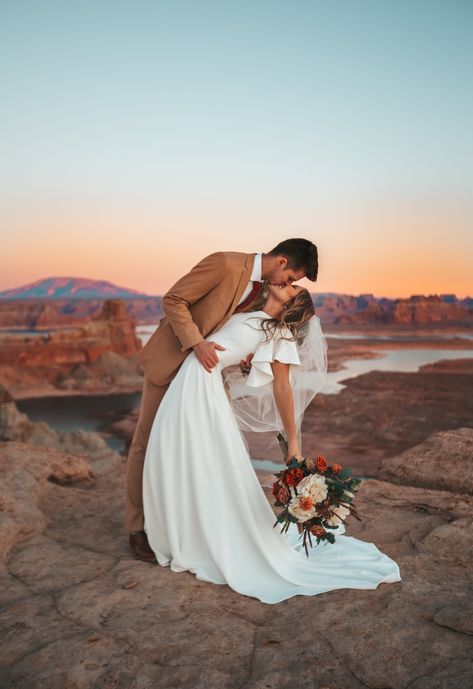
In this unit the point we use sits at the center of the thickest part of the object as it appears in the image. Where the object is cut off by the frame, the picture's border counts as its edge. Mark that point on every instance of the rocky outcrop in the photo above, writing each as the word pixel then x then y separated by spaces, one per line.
pixel 444 461
pixel 339 308
pixel 93 357
pixel 8 415
pixel 111 372
pixel 111 331
pixel 121 329
pixel 24 474
pixel 15 426
pixel 52 313
pixel 30 315
pixel 417 310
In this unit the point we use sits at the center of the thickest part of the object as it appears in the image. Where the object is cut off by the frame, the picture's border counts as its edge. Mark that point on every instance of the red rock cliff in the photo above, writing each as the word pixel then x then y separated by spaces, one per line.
pixel 419 310
pixel 111 331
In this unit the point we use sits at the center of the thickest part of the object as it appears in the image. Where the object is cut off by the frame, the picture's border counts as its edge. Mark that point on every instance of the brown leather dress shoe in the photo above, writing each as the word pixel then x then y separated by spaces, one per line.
pixel 140 547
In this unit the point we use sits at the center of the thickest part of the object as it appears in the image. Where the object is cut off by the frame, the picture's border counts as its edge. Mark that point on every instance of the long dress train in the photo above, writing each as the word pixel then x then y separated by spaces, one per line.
pixel 205 510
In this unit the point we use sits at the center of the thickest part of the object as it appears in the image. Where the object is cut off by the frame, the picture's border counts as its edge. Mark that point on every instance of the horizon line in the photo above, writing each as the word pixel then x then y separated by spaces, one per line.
pixel 139 294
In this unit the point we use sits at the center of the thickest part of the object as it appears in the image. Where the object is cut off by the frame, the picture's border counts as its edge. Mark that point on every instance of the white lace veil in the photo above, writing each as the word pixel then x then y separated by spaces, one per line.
pixel 254 405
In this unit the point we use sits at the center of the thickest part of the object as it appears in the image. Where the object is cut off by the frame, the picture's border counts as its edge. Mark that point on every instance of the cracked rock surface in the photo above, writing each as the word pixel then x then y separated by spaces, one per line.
pixel 79 612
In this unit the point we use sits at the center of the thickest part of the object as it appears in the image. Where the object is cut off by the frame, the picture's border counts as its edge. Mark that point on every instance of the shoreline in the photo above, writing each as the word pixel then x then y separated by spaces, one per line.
pixel 46 393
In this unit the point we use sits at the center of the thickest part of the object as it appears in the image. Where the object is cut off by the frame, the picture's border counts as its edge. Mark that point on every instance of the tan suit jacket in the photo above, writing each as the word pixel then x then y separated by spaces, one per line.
pixel 197 305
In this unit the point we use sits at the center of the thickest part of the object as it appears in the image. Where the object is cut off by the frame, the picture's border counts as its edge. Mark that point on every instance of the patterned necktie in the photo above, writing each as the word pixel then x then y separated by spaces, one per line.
pixel 255 290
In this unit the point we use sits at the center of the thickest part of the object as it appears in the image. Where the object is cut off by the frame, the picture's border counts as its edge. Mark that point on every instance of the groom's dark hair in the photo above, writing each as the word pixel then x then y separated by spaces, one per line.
pixel 301 255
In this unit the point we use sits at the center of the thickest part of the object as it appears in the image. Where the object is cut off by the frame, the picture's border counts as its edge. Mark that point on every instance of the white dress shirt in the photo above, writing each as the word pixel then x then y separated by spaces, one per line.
pixel 255 276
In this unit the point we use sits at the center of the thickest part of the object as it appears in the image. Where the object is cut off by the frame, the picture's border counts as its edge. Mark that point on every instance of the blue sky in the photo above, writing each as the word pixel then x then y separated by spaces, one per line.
pixel 262 102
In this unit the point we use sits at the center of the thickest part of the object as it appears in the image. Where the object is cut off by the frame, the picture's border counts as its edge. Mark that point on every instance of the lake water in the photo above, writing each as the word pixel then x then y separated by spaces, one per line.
pixel 144 332
pixel 89 412
pixel 400 360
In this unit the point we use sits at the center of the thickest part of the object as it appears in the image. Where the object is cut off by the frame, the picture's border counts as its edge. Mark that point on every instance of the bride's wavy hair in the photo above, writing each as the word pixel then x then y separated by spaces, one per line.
pixel 295 315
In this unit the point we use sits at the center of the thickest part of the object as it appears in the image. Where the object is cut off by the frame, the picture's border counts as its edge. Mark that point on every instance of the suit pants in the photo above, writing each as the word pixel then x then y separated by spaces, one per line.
pixel 150 401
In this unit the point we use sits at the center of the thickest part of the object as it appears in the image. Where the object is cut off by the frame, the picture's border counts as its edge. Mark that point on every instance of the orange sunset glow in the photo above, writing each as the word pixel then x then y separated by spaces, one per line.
pixel 389 250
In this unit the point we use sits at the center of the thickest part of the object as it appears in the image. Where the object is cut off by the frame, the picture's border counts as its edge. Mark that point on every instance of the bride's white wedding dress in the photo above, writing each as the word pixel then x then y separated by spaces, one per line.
pixel 205 510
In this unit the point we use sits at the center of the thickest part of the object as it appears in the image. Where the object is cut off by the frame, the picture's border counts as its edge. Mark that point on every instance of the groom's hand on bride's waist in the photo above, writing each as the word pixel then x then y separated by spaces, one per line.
pixel 206 354
pixel 245 364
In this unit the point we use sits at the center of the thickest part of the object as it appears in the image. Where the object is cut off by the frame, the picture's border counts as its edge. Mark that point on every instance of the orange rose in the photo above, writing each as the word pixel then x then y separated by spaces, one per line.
pixel 306 503
pixel 336 468
pixel 317 530
pixel 321 464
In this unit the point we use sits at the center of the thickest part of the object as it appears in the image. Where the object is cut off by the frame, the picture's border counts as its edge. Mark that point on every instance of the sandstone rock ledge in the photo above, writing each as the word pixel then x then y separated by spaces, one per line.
pixel 443 461
pixel 79 612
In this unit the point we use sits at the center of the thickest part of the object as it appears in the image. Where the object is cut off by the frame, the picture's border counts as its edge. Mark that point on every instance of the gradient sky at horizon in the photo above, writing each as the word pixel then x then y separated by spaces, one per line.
pixel 138 137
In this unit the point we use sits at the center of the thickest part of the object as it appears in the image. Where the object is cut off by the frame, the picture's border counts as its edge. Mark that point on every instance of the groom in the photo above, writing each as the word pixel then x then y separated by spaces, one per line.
pixel 196 306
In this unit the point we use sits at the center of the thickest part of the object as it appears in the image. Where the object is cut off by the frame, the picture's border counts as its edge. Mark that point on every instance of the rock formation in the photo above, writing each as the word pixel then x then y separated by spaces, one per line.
pixel 417 310
pixel 15 426
pixel 444 461
pixel 121 329
pixel 94 356
pixel 24 473
pixel 49 313
pixel 420 310
pixel 110 331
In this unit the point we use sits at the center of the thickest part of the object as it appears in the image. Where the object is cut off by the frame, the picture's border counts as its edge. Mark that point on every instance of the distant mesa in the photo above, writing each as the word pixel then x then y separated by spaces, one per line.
pixel 71 288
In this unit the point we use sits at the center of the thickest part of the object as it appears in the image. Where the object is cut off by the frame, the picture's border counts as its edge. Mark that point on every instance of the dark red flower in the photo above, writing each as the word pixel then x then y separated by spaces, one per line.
pixel 293 476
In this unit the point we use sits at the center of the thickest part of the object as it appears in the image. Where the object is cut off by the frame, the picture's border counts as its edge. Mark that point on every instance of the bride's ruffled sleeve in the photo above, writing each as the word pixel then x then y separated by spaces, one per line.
pixel 252 397
pixel 276 349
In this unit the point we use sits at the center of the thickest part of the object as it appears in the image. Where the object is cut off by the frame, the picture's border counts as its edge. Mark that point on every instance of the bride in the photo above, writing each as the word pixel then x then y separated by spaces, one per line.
pixel 204 508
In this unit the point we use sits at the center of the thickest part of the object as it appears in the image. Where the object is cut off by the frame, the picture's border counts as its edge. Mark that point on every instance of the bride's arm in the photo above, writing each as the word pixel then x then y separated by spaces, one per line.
pixel 283 395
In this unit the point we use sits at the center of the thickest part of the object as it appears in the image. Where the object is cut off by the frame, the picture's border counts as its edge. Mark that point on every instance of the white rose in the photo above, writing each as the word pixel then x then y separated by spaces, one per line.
pixel 313 486
pixel 339 514
pixel 296 510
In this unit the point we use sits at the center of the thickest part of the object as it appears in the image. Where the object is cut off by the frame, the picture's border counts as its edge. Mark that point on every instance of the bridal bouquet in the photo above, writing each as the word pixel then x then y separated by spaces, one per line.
pixel 315 495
